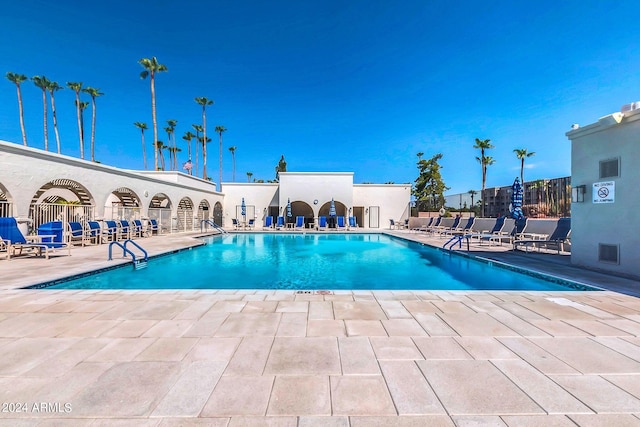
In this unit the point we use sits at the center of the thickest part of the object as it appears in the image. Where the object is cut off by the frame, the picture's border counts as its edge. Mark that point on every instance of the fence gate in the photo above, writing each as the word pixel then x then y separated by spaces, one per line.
pixel 41 213
pixel 163 216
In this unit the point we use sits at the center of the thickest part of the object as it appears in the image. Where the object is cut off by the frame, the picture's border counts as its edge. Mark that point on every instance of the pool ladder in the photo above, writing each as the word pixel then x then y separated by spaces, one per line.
pixel 456 240
pixel 138 264
pixel 206 222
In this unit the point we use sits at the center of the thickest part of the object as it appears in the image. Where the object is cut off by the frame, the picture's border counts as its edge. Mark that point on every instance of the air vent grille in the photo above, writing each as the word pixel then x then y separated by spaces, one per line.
pixel 609 253
pixel 609 168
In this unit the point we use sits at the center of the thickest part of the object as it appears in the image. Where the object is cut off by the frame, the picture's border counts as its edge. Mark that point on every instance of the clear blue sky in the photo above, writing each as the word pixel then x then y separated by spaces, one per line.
pixel 356 86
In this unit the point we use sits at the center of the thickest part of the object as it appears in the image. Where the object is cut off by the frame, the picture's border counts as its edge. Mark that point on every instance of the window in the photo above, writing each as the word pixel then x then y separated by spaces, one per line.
pixel 610 168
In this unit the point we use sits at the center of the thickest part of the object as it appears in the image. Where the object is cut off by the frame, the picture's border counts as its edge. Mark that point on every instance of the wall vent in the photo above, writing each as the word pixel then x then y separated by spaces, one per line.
pixel 610 168
pixel 609 253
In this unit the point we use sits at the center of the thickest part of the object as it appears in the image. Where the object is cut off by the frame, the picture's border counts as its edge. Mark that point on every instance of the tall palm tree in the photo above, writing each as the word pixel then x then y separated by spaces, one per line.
pixel 188 136
pixel 151 67
pixel 233 156
pixel 54 87
pixel 198 130
pixel 483 145
pixel 43 83
pixel 522 153
pixel 93 93
pixel 204 150
pixel 249 175
pixel 77 87
pixel 17 79
pixel 472 193
pixel 220 130
pixel 143 127
pixel 204 102
pixel 169 131
pixel 83 105
pixel 159 146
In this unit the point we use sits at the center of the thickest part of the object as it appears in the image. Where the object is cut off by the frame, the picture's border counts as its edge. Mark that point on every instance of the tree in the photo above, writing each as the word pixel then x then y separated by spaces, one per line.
pixel 282 167
pixel 472 193
pixel 77 87
pixel 169 132
pixel 204 102
pixel 172 125
pixel 17 79
pixel 198 130
pixel 83 105
pixel 522 153
pixel 143 127
pixel 233 157
pixel 188 136
pixel 159 146
pixel 93 93
pixel 220 130
pixel 429 187
pixel 204 149
pixel 483 145
pixel 53 87
pixel 43 83
pixel 151 67
pixel 249 175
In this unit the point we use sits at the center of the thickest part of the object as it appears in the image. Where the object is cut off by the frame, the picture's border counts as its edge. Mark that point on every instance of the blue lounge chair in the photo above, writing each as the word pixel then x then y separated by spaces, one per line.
pixel 15 242
pixel 153 227
pixel 280 223
pixel 110 231
pixel 251 224
pixel 425 226
pixel 236 224
pixel 340 225
pixel 453 227
pixel 352 222
pixel 125 229
pixel 299 222
pixel 94 232
pixel 466 229
pixel 77 233
pixel 268 223
pixel 558 238
pixel 392 224
pixel 322 223
pixel 137 229
pixel 490 235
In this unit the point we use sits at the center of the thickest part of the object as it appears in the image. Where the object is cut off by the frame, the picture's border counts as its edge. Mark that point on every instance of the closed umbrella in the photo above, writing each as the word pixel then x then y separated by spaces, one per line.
pixel 332 214
pixel 289 214
pixel 516 200
pixel 243 209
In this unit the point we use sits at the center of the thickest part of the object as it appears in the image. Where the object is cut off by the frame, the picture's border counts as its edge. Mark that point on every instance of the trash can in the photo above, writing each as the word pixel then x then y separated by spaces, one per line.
pixel 53 228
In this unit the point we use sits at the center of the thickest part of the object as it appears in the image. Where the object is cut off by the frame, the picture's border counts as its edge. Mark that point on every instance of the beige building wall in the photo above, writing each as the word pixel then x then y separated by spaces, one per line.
pixel 599 230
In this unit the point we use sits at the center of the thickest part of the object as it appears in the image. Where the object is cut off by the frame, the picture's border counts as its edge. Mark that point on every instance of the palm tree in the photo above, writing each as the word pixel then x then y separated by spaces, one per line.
pixel 77 87
pixel 83 105
pixel 43 83
pixel 93 93
pixel 198 129
pixel 204 102
pixel 54 87
pixel 204 149
pixel 472 193
pixel 169 132
pixel 143 127
pixel 521 153
pixel 159 145
pixel 151 67
pixel 233 156
pixel 249 175
pixel 220 130
pixel 172 125
pixel 188 136
pixel 483 145
pixel 17 79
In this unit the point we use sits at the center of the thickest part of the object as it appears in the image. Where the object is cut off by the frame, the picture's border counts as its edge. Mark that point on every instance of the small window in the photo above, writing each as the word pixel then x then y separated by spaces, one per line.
pixel 610 168
pixel 608 253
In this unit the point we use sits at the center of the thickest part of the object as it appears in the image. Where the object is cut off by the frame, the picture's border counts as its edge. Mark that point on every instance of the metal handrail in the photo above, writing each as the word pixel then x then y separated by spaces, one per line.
pixel 146 256
pixel 456 240
pixel 213 224
pixel 124 251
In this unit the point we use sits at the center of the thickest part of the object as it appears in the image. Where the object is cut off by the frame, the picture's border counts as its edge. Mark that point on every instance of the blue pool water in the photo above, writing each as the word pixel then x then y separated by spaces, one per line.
pixel 312 261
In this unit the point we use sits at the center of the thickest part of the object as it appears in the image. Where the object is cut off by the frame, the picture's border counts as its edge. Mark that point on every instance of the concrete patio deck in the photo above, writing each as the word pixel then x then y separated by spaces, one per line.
pixel 278 358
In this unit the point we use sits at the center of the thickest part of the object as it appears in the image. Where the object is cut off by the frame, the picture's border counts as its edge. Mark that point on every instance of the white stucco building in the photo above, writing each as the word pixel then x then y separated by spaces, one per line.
pixel 605 178
pixel 38 186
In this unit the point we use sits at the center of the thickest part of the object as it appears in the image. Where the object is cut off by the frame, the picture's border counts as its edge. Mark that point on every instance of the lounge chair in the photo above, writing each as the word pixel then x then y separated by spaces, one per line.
pixel 465 229
pixel 235 223
pixel 137 229
pixel 425 226
pixel 435 224
pixel 352 222
pixel 125 229
pixel 77 233
pixel 251 224
pixel 280 224
pixel 94 232
pixel 110 231
pixel 15 241
pixel 489 235
pixel 557 239
pixel 322 223
pixel 153 227
pixel 392 224
pixel 340 225
pixel 268 223
pixel 442 231
pixel 299 222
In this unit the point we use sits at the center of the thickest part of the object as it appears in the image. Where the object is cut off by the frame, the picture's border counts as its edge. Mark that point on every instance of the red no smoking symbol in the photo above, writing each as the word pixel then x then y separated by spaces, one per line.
pixel 603 192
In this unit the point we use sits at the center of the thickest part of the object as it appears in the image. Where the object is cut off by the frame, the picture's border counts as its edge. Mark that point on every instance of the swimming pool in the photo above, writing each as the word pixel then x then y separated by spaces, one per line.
pixel 312 261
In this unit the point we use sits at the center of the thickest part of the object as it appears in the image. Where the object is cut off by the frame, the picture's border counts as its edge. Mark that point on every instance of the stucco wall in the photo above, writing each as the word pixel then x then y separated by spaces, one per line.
pixel 393 200
pixel 255 194
pixel 609 223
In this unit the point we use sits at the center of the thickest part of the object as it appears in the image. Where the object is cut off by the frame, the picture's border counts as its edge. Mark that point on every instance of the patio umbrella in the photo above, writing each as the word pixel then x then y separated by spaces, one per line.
pixel 243 208
pixel 289 215
pixel 332 208
pixel 516 200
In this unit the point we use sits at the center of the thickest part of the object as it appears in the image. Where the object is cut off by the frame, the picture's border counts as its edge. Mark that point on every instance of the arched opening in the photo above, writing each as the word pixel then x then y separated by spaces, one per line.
pixel 185 215
pixel 341 209
pixel 6 205
pixel 217 213
pixel 300 208
pixel 160 210
pixel 61 200
pixel 203 211
pixel 122 203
